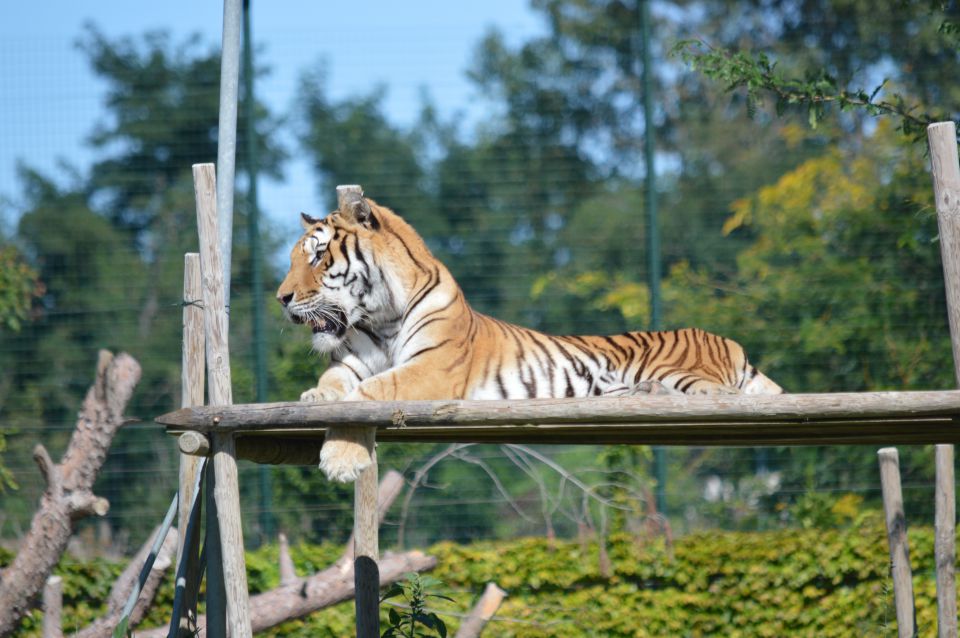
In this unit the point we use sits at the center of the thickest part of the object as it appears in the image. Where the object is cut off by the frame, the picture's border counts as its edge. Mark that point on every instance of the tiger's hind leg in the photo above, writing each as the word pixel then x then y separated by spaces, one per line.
pixel 686 383
pixel 649 387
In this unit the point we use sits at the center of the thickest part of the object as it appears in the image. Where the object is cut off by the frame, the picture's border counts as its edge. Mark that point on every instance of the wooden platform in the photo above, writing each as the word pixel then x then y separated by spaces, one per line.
pixel 868 418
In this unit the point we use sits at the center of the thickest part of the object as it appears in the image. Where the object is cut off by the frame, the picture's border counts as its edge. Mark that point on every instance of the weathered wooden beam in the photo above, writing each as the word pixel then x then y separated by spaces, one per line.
pixel 884 418
pixel 796 408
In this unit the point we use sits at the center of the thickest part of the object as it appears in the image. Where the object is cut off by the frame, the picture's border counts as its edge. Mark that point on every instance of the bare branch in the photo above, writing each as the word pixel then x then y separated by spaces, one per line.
pixel 69 494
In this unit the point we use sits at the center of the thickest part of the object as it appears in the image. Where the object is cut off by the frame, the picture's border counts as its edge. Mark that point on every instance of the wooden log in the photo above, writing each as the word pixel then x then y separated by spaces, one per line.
pixel 193 445
pixel 854 407
pixel 898 408
pixel 482 612
pixel 69 495
pixel 53 607
pixel 366 552
pixel 945 523
pixel 307 595
pixel 897 539
pixel 220 393
pixel 945 170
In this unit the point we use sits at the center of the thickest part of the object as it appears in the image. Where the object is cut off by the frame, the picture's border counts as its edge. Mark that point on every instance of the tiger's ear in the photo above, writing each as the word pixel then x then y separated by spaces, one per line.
pixel 359 211
pixel 306 221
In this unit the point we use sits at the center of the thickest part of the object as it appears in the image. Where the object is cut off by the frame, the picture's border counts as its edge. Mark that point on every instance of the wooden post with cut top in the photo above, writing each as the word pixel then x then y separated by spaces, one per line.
pixel 897 539
pixel 191 394
pixel 226 490
pixel 945 170
pixel 366 546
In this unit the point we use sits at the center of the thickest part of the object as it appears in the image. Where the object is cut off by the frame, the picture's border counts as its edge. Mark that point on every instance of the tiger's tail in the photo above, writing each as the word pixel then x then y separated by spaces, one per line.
pixel 346 452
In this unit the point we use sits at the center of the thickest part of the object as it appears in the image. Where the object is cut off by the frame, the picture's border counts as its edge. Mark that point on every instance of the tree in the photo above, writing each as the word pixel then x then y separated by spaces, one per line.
pixel 109 248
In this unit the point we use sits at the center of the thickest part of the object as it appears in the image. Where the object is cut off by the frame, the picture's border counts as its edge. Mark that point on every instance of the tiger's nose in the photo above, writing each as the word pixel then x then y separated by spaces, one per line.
pixel 285 299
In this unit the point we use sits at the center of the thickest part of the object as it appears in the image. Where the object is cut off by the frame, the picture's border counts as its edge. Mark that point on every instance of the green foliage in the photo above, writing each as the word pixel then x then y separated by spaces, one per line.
pixel 19 286
pixel 404 621
pixel 793 582
pixel 758 75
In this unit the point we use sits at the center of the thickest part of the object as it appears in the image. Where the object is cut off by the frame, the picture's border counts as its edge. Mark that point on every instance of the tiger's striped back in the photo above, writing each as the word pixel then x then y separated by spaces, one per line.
pixel 687 361
pixel 397 327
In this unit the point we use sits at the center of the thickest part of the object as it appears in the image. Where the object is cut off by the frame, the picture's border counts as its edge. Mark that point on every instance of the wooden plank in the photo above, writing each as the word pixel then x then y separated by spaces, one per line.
pixel 801 408
pixel 302 446
pixel 220 393
pixel 945 170
pixel 897 540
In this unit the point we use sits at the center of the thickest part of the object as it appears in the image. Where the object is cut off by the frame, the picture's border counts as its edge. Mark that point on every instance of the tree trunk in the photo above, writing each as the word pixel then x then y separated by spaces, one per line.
pixel 69 494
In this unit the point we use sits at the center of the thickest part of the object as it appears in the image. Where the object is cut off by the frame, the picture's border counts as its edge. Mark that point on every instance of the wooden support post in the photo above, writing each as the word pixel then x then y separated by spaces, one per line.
pixel 191 394
pixel 365 513
pixel 945 525
pixel 945 169
pixel 366 553
pixel 387 492
pixel 226 489
pixel 52 607
pixel 897 539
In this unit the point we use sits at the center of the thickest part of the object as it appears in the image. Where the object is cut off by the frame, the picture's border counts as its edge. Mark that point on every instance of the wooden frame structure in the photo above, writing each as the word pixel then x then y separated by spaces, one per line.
pixel 293 432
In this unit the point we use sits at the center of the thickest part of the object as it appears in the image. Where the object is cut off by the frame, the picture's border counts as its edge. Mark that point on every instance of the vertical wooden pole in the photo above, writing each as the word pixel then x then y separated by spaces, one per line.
pixel 945 170
pixel 945 525
pixel 366 552
pixel 226 489
pixel 191 394
pixel 288 573
pixel 52 607
pixel 366 522
pixel 897 539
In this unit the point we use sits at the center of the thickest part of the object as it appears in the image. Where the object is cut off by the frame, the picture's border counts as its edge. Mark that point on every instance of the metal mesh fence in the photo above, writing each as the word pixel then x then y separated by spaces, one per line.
pixel 542 223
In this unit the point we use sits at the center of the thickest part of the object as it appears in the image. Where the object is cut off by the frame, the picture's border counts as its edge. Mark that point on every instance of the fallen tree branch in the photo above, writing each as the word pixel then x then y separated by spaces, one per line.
pixel 482 612
pixel 69 493
pixel 323 589
pixel 103 627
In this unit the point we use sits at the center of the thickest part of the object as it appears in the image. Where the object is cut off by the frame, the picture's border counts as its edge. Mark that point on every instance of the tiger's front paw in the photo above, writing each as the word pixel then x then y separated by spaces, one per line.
pixel 315 395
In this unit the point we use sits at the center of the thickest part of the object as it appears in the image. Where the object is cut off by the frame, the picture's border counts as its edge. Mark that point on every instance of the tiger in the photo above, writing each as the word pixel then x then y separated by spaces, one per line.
pixel 397 327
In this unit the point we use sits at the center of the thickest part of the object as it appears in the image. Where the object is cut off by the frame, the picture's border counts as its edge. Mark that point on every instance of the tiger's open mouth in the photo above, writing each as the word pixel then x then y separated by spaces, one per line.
pixel 336 324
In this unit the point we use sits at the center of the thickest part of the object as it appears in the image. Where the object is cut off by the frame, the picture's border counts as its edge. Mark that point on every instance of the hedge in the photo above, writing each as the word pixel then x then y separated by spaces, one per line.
pixel 810 582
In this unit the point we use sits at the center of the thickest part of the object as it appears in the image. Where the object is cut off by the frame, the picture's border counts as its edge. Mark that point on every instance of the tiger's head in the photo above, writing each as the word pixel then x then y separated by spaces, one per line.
pixel 337 277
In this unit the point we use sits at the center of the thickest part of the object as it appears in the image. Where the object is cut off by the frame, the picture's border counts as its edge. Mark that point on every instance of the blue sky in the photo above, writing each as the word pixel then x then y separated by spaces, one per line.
pixel 49 99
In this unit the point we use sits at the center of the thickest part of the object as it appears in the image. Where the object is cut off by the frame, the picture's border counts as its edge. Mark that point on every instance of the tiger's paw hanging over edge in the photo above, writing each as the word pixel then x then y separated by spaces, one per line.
pixel 346 452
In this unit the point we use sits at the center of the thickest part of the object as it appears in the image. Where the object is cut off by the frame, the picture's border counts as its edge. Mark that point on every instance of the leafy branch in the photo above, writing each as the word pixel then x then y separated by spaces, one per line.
pixel 403 621
pixel 759 75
